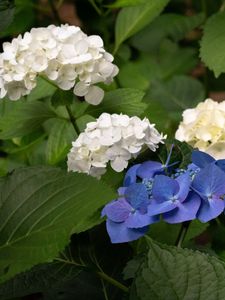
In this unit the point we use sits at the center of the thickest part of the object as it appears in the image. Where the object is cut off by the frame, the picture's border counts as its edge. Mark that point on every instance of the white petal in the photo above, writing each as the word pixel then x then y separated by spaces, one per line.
pixel 81 89
pixel 95 95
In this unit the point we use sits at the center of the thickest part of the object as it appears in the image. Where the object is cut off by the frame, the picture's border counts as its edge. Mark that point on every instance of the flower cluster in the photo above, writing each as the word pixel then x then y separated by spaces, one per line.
pixel 65 55
pixel 115 138
pixel 203 127
pixel 152 190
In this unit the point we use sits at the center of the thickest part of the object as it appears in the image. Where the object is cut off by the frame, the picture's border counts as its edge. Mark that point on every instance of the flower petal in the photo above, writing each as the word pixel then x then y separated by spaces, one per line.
pixel 149 168
pixel 138 220
pixel 164 188
pixel 201 159
pixel 137 195
pixel 118 211
pixel 131 175
pixel 185 211
pixel 159 208
pixel 209 181
pixel 184 183
pixel 119 233
pixel 210 209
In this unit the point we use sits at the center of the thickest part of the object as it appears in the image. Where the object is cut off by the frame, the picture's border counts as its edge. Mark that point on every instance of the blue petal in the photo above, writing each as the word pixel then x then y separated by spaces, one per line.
pixel 164 188
pixel 210 209
pixel 131 176
pixel 121 191
pixel 149 168
pixel 157 208
pixel 201 159
pixel 185 211
pixel 137 195
pixel 138 220
pixel 119 233
pixel 184 184
pixel 209 181
pixel 118 211
pixel 221 164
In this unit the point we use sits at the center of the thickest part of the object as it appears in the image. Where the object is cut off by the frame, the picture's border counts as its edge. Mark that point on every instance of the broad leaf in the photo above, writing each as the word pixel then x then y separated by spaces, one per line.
pixel 167 25
pixel 177 94
pixel 123 3
pixel 82 121
pixel 24 17
pixel 43 89
pixel 24 118
pixel 213 43
pixel 39 208
pixel 175 273
pixel 59 141
pixel 157 66
pixel 127 101
pixel 132 19
pixel 167 233
pixel 6 13
pixel 61 97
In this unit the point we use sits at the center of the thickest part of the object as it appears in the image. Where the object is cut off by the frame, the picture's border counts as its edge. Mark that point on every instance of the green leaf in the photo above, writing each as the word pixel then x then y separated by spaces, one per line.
pixel 150 67
pixel 177 94
pixel 123 3
pixel 61 97
pixel 42 90
pixel 20 23
pixel 39 279
pixel 175 273
pixel 167 25
pixel 24 118
pixel 213 43
pixel 60 140
pixel 39 208
pixel 132 19
pixel 127 101
pixel 168 233
pixel 82 121
pixel 6 13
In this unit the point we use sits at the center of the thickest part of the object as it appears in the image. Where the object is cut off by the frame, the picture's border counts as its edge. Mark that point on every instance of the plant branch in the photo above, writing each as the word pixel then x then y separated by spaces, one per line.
pixel 54 11
pixel 182 233
pixel 72 120
pixel 113 281
pixel 92 2
pixel 101 274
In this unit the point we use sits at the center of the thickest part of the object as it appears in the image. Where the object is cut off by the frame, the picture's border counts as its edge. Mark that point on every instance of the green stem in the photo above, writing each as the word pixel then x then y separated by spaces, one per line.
pixel 182 233
pixel 99 273
pixel 54 11
pixel 92 2
pixel 113 281
pixel 72 120
pixel 204 7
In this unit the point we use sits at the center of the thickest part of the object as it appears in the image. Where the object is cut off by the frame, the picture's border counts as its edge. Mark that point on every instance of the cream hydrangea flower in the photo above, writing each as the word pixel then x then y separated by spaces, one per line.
pixel 203 127
pixel 65 55
pixel 112 138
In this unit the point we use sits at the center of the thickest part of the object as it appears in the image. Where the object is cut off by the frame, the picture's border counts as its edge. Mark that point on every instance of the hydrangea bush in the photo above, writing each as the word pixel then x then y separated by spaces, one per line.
pixel 113 150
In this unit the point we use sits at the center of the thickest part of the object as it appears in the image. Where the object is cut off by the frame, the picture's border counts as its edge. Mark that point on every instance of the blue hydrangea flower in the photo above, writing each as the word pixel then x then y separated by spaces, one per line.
pixel 172 198
pixel 209 184
pixel 147 170
pixel 127 217
pixel 202 159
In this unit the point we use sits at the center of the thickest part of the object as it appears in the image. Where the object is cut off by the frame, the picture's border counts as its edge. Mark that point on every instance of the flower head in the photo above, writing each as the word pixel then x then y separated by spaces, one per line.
pixel 203 127
pixel 128 214
pixel 112 138
pixel 65 55
pixel 151 190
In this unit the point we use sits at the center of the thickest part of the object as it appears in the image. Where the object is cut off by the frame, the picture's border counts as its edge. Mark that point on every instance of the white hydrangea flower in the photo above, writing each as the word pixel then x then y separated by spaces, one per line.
pixel 65 55
pixel 203 127
pixel 111 138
